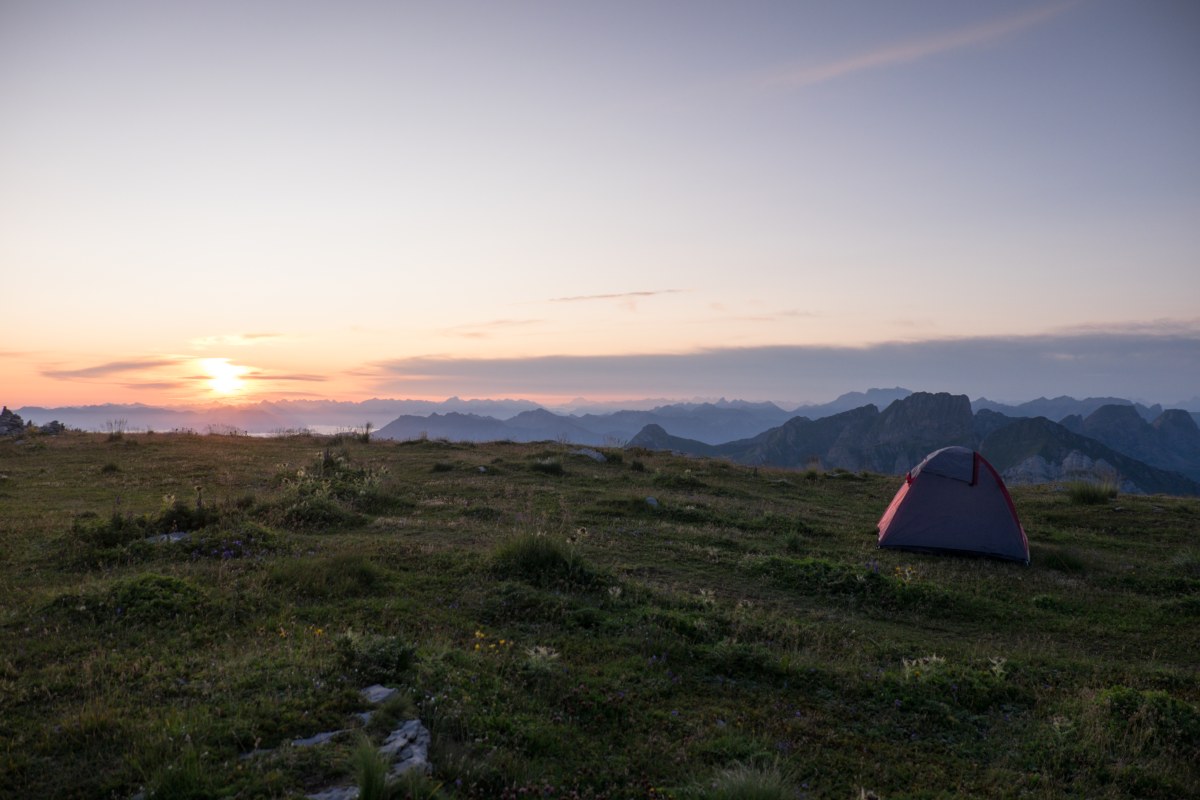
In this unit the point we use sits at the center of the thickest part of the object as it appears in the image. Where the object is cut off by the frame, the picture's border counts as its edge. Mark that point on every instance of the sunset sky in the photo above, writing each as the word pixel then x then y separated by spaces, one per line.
pixel 784 201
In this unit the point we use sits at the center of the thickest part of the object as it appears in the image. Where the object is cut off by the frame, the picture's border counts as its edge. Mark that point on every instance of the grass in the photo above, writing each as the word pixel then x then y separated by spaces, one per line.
pixel 1090 494
pixel 561 637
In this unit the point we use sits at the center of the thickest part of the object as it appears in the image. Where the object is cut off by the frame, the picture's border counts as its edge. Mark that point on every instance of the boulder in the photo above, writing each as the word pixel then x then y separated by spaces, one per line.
pixel 11 424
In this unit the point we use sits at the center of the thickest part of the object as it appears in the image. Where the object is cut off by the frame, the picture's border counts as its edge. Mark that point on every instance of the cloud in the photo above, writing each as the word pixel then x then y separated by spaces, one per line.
pixel 617 296
pixel 912 50
pixel 158 385
pixel 480 330
pixel 271 376
pixel 1141 366
pixel 235 340
pixel 111 368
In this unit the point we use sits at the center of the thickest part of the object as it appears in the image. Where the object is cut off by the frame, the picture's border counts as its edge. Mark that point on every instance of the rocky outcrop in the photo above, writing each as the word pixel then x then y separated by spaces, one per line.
pixel 1036 450
pixel 1074 467
pixel 654 437
pixel 1171 442
pixel 11 424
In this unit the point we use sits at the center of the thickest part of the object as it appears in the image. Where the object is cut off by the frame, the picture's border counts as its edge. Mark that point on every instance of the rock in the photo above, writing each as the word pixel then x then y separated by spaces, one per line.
pixel 335 793
pixel 173 536
pixel 377 694
pixel 594 455
pixel 316 739
pixel 652 502
pixel 1075 466
pixel 407 748
pixel 11 424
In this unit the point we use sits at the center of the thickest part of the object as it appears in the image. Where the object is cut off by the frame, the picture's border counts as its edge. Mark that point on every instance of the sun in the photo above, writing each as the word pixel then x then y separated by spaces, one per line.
pixel 223 378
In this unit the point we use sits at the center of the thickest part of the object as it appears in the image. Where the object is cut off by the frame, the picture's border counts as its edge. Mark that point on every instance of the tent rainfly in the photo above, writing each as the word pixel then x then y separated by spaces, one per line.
pixel 954 502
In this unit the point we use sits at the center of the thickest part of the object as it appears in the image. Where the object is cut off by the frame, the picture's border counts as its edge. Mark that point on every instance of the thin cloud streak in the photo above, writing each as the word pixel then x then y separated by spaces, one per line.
pixel 481 330
pixel 615 296
pixel 913 50
pixel 158 385
pixel 267 376
pixel 111 368
pixel 235 340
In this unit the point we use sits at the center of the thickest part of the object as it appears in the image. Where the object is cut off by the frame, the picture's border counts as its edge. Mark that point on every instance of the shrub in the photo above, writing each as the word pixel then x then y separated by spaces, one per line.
pixel 375 659
pixel 115 428
pixel 543 561
pixel 1085 493
pixel 311 512
pixel 686 480
pixel 105 533
pixel 746 782
pixel 186 780
pixel 181 516
pixel 548 466
pixel 1063 560
pixel 244 540
pixel 154 598
pixel 340 576
pixel 1151 722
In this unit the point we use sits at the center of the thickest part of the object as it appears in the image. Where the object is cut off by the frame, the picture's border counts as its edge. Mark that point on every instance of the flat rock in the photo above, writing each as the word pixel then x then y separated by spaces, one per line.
pixel 407 748
pixel 377 694
pixel 335 793
pixel 173 536
pixel 315 739
pixel 594 455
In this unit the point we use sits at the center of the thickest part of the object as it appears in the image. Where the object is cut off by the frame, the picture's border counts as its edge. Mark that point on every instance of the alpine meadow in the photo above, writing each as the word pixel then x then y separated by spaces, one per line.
pixel 182 615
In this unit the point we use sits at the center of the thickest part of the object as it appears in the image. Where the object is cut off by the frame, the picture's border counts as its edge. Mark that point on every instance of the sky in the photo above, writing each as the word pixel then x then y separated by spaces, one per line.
pixel 271 199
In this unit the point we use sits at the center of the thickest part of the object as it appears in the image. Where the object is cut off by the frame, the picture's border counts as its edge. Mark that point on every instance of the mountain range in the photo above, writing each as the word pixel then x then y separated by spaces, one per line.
pixel 1149 448
pixel 1023 449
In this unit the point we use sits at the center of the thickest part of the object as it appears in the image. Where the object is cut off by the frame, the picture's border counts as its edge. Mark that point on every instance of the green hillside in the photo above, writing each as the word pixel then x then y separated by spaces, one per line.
pixel 647 627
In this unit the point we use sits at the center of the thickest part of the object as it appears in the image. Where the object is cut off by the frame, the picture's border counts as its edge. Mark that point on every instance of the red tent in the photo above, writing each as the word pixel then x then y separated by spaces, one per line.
pixel 954 501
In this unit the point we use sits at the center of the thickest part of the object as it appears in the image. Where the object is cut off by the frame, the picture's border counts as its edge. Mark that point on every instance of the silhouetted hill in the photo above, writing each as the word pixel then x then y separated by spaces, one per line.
pixel 1036 450
pixel 453 426
pixel 1027 450
pixel 705 422
pixel 863 438
pixel 653 437
pixel 1171 442
pixel 880 398
pixel 1063 406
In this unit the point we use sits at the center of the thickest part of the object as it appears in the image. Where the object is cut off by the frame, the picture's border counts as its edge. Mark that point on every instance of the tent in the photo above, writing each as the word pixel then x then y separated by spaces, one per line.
pixel 954 501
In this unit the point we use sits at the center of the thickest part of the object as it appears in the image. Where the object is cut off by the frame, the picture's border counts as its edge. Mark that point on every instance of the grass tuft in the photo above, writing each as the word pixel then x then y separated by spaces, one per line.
pixel 543 561
pixel 747 782
pixel 1085 493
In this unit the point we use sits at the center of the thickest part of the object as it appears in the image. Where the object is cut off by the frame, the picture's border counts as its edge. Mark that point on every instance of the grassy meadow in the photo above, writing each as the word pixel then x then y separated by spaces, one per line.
pixel 564 636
